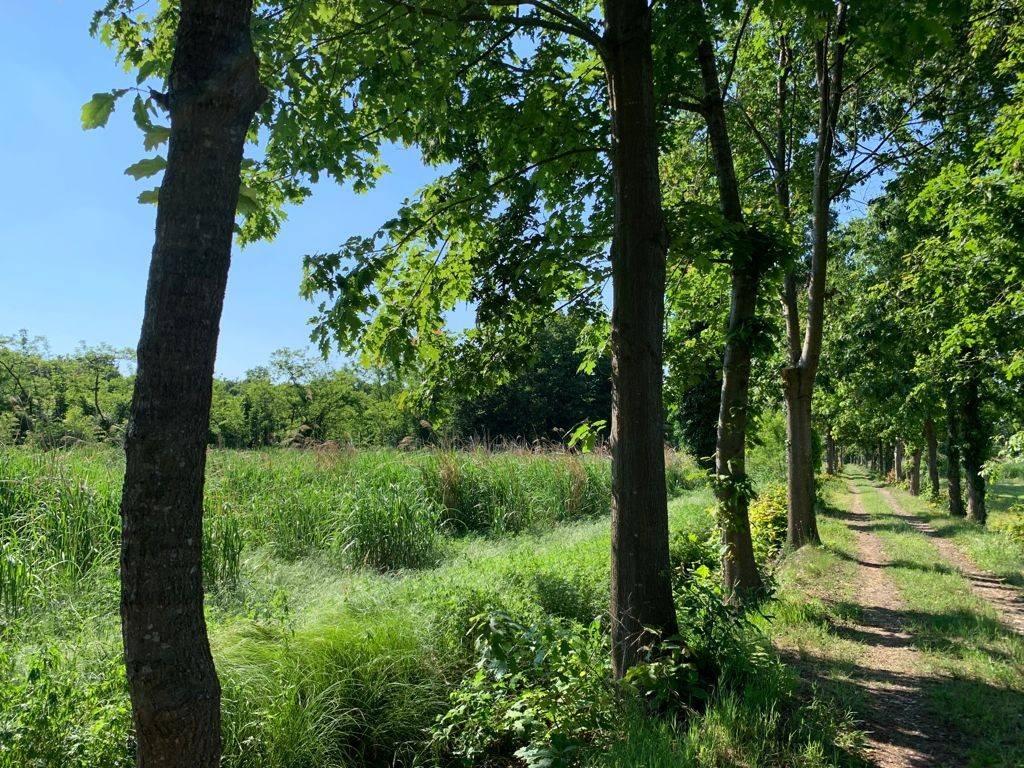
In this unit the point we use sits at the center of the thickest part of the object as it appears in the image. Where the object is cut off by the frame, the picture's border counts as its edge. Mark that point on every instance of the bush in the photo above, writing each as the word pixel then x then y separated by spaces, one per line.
pixel 390 523
pixel 1012 525
pixel 53 712
pixel 768 522
pixel 539 693
pixel 683 474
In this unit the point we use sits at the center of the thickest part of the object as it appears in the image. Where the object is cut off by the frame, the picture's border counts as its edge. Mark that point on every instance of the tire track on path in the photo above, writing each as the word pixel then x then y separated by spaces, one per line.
pixel 1007 600
pixel 899 733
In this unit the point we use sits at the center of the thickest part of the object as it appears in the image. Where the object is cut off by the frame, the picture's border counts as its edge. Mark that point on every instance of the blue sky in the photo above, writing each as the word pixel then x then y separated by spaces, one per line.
pixel 75 244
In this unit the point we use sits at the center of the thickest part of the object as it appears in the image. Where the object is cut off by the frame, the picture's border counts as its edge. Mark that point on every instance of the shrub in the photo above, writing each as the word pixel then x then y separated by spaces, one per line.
pixel 768 522
pixel 1012 525
pixel 55 712
pixel 539 693
pixel 690 550
pixel 682 474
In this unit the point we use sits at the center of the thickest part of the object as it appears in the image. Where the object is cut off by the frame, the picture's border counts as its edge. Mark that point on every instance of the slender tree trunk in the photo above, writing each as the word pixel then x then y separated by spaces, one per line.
pixel 898 461
pixel 740 575
pixel 933 457
pixel 213 93
pixel 975 441
pixel 798 378
pixel 915 472
pixel 956 498
pixel 642 606
pixel 831 454
pixel 802 525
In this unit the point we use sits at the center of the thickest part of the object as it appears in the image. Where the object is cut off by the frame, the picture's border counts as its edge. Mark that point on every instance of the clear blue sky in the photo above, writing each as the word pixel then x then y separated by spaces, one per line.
pixel 75 244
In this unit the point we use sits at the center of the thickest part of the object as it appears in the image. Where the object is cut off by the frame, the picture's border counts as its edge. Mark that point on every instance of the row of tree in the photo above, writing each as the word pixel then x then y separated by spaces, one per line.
pixel 297 399
pixel 660 146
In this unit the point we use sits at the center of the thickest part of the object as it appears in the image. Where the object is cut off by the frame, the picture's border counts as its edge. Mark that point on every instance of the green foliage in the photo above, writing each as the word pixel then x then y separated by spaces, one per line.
pixel 768 522
pixel 54 712
pixel 97 110
pixel 539 694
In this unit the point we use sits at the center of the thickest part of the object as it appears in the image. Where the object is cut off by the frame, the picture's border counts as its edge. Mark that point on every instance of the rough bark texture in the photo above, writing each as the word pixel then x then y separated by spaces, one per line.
pixel 798 377
pixel 931 445
pixel 213 93
pixel 641 591
pixel 975 444
pixel 915 472
pixel 956 498
pixel 898 461
pixel 740 575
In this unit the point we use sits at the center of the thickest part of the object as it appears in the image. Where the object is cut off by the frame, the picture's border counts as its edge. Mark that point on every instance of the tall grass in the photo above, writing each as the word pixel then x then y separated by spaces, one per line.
pixel 324 662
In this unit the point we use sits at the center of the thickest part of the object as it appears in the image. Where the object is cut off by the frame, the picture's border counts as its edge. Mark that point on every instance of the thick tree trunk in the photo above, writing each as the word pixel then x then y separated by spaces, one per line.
pixel 975 442
pixel 213 93
pixel 642 607
pixel 932 447
pixel 898 461
pixel 915 472
pixel 956 498
pixel 740 575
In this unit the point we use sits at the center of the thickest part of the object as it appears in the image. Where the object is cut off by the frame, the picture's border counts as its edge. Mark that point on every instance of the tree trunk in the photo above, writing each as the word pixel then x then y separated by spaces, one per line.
pixel 933 457
pixel 831 454
pixel 956 499
pixel 801 523
pixel 740 575
pixel 798 377
pixel 642 607
pixel 213 93
pixel 898 461
pixel 975 442
pixel 915 472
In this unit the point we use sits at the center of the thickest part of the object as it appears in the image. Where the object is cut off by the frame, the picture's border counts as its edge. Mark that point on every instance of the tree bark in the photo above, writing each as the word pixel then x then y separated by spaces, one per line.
pixel 213 93
pixel 740 576
pixel 915 472
pixel 831 453
pixel 956 499
pixel 898 461
pixel 933 457
pixel 642 607
pixel 798 377
pixel 975 445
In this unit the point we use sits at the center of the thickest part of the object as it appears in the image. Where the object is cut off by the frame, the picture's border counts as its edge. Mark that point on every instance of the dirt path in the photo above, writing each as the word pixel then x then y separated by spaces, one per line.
pixel 1006 599
pixel 890 669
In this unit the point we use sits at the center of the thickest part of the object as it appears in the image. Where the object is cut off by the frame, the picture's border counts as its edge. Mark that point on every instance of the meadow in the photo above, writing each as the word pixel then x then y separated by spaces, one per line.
pixel 355 598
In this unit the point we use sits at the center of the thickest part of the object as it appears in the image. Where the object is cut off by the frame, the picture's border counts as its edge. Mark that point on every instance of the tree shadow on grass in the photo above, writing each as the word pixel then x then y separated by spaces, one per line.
pixel 919 719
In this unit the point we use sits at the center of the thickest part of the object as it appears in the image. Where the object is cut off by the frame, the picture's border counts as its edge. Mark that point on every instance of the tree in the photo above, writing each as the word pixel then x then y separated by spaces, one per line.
pixel 213 92
pixel 550 124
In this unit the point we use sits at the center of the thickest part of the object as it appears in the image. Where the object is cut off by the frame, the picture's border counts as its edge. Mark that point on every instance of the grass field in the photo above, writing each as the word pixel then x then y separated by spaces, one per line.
pixel 355 598
pixel 342 589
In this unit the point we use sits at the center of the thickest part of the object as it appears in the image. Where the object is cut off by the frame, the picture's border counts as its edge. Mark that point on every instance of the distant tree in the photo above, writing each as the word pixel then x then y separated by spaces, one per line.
pixel 545 397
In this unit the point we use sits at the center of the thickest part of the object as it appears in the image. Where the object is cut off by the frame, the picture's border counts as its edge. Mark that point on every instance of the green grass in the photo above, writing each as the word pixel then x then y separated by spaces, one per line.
pixel 979 700
pixel 989 547
pixel 342 590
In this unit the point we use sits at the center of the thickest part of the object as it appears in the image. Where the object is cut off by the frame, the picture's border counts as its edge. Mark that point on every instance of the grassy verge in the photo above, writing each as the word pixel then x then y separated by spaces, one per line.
pixel 980 663
pixel 989 547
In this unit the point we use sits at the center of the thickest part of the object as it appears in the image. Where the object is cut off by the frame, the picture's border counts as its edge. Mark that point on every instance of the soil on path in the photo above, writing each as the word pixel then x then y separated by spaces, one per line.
pixel 898 729
pixel 1006 599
